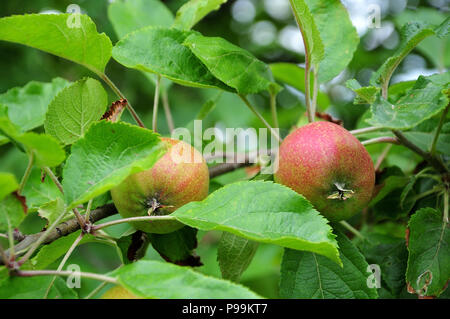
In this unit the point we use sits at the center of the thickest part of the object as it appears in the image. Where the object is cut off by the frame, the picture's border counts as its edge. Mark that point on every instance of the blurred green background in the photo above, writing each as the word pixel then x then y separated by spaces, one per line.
pixel 267 29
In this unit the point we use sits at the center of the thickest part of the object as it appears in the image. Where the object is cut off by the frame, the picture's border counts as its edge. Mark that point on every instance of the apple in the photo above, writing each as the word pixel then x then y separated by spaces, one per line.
pixel 329 166
pixel 118 292
pixel 177 178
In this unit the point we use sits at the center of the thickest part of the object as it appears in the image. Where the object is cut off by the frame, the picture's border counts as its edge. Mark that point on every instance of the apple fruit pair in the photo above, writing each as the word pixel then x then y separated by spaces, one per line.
pixel 177 178
pixel 329 166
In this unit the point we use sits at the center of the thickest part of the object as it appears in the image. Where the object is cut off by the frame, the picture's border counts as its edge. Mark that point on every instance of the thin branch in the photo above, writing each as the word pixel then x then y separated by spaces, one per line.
pixel 366 130
pixel 27 172
pixel 119 94
pixel 132 219
pixel 63 229
pixel 351 229
pixel 432 160
pixel 63 262
pixel 384 139
pixel 167 112
pixel 382 156
pixel 273 109
pixel 58 184
pixel 88 275
pixel 438 130
pixel 224 168
pixel 258 115
pixel 446 206
pixel 155 104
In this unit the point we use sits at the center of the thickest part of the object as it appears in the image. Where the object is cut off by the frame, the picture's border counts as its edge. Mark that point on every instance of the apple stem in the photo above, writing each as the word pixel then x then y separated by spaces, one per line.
pixel 155 104
pixel 132 219
pixel 352 229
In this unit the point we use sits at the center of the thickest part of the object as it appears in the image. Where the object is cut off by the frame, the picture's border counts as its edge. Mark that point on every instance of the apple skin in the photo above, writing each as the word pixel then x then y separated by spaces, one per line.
pixel 315 157
pixel 171 182
pixel 118 292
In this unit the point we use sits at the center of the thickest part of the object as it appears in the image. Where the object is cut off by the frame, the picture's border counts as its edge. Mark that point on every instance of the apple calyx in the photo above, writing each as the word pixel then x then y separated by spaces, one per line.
pixel 341 193
pixel 154 206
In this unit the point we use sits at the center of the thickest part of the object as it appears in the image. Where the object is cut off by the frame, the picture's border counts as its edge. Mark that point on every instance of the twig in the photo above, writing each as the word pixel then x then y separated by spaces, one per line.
pixel 64 229
pixel 65 273
pixel 27 172
pixel 446 206
pixel 63 262
pixel 167 112
pixel 119 94
pixel 224 168
pixel 351 229
pixel 273 109
pixel 438 130
pixel 384 139
pixel 155 104
pixel 258 115
pixel 431 159
pixel 132 219
pixel 366 130
pixel 382 156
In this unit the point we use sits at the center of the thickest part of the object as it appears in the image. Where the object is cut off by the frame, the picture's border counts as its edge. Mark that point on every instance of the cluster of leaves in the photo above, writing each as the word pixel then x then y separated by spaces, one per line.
pixel 91 156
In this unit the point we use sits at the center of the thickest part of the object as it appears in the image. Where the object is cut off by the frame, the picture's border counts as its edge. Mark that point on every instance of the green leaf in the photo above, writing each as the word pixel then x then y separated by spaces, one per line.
pixel 390 184
pixel 232 65
pixel 27 105
pixel 130 15
pixel 314 46
pixel 429 253
pixel 294 76
pixel 365 95
pixel 52 210
pixel 73 110
pixel 425 139
pixel 177 247
pixel 106 155
pixel 412 33
pixel 39 193
pixel 11 213
pixel 193 11
pixel 8 184
pixel 391 255
pixel 432 48
pixel 424 100
pixel 70 36
pixel 234 255
pixel 264 212
pixel 47 150
pixel 50 253
pixel 307 275
pixel 338 35
pixel 35 288
pixel 154 279
pixel 161 51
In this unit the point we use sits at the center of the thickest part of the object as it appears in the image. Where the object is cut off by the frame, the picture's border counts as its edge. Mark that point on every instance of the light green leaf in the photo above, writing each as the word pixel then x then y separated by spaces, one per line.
pixel 161 51
pixel 264 212
pixel 47 150
pixel 428 269
pixel 8 184
pixel 106 155
pixel 294 76
pixel 364 95
pixel 338 35
pixel 130 15
pixel 39 193
pixel 432 48
pixel 193 11
pixel 424 100
pixel 412 34
pixel 35 288
pixel 314 46
pixel 73 110
pixel 232 65
pixel 53 210
pixel 27 105
pixel 154 279
pixel 11 213
pixel 234 255
pixel 70 36
pixel 307 275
